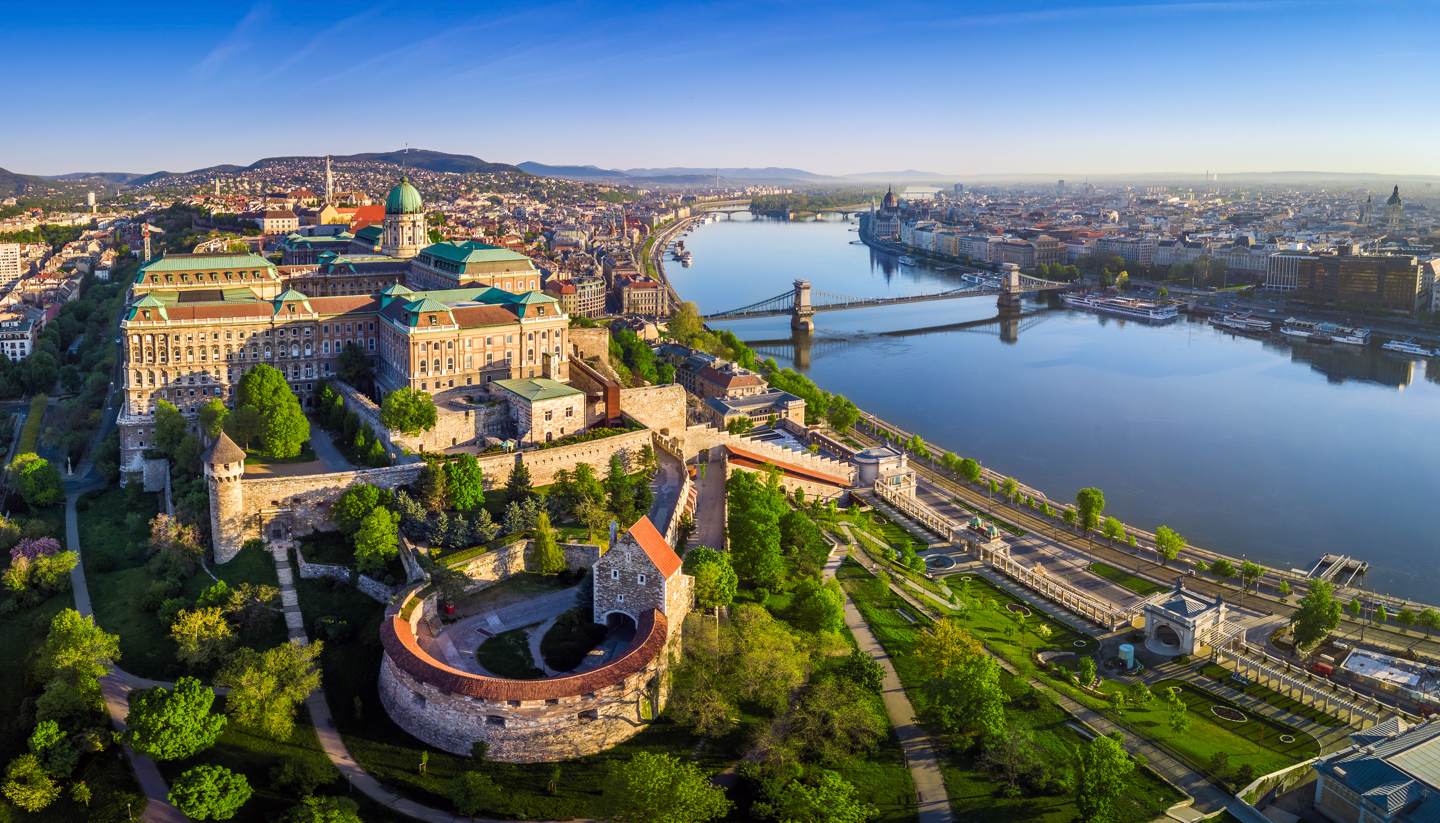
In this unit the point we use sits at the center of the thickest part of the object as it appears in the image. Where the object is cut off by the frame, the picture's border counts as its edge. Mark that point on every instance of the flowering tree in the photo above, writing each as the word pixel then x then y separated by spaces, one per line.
pixel 33 547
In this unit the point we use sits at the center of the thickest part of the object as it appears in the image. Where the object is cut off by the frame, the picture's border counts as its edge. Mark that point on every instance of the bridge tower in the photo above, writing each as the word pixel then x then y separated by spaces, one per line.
pixel 802 317
pixel 1010 291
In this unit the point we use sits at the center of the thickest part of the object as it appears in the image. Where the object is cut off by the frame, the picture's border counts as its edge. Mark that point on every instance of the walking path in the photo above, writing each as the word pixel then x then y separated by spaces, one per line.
pixel 920 752
pixel 117 685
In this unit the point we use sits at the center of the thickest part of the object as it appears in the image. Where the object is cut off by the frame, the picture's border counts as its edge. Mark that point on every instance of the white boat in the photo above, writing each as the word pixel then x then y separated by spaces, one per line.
pixel 1348 335
pixel 1410 347
pixel 1150 311
pixel 907 260
pixel 1242 322
pixel 1303 330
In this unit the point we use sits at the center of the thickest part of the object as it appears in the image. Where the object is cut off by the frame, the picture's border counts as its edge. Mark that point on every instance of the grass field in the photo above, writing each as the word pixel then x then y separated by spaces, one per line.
pixel 1133 582
pixel 508 655
pixel 1256 741
pixel 1221 674
pixel 973 791
pixel 30 430
pixel 114 534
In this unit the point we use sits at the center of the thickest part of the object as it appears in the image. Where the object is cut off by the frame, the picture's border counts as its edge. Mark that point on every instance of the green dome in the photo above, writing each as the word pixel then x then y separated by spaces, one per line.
pixel 403 199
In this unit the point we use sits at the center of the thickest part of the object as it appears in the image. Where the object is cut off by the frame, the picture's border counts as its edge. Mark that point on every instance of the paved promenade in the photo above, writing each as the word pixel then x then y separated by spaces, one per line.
pixel 920 752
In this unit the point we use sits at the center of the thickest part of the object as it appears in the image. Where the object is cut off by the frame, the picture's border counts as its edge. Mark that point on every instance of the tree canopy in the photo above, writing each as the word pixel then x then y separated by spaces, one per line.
pixel 267 687
pixel 37 481
pixel 465 483
pixel 654 787
pixel 1102 770
pixel 283 428
pixel 1089 505
pixel 208 792
pixel 408 410
pixel 1318 614
pixel 173 724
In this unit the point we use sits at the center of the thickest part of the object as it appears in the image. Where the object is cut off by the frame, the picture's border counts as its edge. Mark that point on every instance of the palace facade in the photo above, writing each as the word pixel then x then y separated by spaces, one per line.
pixel 433 317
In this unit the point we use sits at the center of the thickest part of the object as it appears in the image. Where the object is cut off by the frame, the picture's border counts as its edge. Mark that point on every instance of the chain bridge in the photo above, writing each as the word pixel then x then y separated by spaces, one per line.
pixel 802 302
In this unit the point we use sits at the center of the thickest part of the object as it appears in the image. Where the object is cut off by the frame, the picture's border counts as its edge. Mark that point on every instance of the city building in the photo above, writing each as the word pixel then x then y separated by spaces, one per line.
pixel 543 409
pixel 1362 281
pixel 277 221
pixel 196 323
pixel 760 409
pixel 1390 773
pixel 18 331
pixel 582 295
pixel 10 266
pixel 1178 621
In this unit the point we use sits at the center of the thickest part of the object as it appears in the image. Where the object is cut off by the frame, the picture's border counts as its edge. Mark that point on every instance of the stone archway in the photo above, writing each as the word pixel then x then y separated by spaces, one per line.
pixel 1162 638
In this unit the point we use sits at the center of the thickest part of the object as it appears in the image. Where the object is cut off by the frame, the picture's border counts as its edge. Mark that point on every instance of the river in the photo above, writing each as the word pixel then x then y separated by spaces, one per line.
pixel 1252 447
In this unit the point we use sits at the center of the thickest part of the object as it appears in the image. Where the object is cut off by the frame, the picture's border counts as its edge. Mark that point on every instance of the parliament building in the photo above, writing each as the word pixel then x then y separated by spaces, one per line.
pixel 433 316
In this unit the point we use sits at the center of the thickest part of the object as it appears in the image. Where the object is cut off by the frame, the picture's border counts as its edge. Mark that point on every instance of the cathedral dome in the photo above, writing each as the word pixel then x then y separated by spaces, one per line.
pixel 1394 197
pixel 890 202
pixel 403 199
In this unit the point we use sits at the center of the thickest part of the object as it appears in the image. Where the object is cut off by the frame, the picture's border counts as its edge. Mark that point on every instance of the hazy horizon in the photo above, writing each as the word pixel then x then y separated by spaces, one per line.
pixel 979 89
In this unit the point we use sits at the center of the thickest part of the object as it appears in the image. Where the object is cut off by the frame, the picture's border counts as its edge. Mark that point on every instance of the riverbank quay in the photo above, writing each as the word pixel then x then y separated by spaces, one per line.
pixel 652 252
pixel 1143 560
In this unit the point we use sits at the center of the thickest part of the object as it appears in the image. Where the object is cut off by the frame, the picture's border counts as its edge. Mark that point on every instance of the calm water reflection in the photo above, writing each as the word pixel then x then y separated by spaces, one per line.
pixel 1256 447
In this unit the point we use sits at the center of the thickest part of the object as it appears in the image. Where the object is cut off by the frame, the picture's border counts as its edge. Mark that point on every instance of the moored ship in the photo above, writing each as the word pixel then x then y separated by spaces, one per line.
pixel 1150 311
pixel 1410 347
pixel 1242 322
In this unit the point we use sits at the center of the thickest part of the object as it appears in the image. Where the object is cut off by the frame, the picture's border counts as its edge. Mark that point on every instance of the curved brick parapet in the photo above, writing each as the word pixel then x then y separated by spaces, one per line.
pixel 522 721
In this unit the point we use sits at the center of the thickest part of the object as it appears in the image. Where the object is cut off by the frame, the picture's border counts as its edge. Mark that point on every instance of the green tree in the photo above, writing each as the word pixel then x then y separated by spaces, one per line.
pixel 170 427
pixel 1223 568
pixel 28 785
pixel 1112 528
pixel 820 606
pixel 620 492
pixel 841 414
pixel 827 796
pixel 1429 620
pixel 962 680
pixel 76 649
pixel 408 410
pixel 208 792
pixel 1178 715
pixel 1102 772
pixel 37 481
pixel 654 787
pixel 173 724
pixel 267 687
pixel 354 366
pixel 739 425
pixel 245 426
pixel 970 470
pixel 432 486
pixel 465 483
pixel 52 745
pixel 1086 670
pixel 475 792
pixel 1089 505
pixel 202 636
pixel 212 417
pixel 1318 614
pixel 685 323
pixel 1284 589
pixel 1250 572
pixel 377 540
pixel 1168 544
pixel 753 525
pixel 351 507
pixel 546 557
pixel 283 428
pixel 323 810
pixel 864 670
pixel 517 486
pixel 715 579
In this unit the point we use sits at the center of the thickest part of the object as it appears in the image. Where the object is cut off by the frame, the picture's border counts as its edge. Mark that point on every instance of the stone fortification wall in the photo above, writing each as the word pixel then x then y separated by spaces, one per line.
pixel 591 342
pixel 369 413
pixel 708 438
pixel 789 481
pixel 491 567
pixel 315 571
pixel 661 408
pixel 297 505
pixel 522 721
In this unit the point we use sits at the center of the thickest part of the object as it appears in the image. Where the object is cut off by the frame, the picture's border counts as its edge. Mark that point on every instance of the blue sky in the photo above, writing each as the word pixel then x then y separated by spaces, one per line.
pixel 1068 88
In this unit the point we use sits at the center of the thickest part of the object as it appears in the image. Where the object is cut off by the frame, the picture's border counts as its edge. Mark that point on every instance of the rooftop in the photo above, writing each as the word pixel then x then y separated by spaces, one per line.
pixel 207 262
pixel 538 388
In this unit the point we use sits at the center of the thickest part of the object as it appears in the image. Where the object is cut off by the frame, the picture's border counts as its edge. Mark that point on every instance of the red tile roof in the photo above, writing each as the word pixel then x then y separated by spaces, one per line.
pixel 472 317
pixel 758 462
pixel 362 216
pixel 218 311
pixel 405 652
pixel 666 561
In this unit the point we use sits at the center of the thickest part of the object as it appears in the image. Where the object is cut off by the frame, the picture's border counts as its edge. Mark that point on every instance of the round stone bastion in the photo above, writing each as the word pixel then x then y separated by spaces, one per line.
pixel 522 721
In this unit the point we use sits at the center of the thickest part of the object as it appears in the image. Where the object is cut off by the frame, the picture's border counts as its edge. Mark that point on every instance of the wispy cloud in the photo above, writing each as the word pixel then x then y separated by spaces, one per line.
pixel 331 36
pixel 232 43
pixel 1080 12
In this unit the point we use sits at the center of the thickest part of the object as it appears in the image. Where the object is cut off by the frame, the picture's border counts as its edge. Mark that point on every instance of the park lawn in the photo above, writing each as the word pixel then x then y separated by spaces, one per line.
pixel 393 757
pixel 30 429
pixel 1255 741
pixel 1221 674
pixel 973 794
pixel 114 549
pixel 1133 582
pixel 508 655
pixel 986 612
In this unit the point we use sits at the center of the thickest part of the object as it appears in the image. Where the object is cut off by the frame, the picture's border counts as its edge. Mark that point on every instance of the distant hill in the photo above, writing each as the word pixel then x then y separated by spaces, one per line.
pixel 436 161
pixel 117 178
pixel 570 172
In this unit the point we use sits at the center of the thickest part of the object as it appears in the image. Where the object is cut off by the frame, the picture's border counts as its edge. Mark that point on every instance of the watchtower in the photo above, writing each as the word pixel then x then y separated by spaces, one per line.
pixel 224 468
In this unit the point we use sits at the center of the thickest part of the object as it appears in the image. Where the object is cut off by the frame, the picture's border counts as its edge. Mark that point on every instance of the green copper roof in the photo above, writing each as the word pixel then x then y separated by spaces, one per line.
pixel 149 300
pixel 403 199
pixel 290 295
pixel 538 388
pixel 371 232
pixel 394 289
pixel 470 251
pixel 208 262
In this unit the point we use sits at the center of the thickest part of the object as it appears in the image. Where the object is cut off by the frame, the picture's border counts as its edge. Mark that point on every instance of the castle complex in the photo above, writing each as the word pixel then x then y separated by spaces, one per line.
pixel 440 316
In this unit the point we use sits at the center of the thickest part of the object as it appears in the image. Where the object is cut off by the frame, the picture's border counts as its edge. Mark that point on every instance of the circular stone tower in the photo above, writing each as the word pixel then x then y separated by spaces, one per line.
pixel 224 468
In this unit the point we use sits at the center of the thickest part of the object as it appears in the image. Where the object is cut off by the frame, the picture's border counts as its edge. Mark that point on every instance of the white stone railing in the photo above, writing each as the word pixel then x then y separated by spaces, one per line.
pixel 915 509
